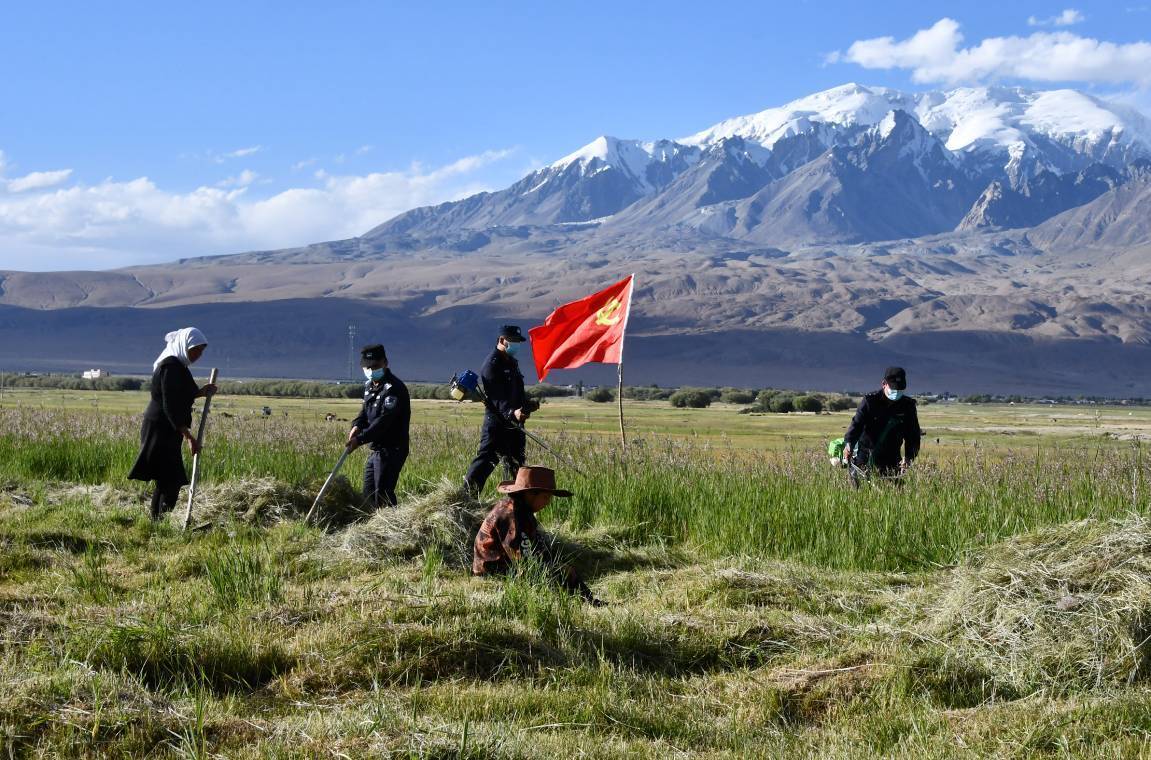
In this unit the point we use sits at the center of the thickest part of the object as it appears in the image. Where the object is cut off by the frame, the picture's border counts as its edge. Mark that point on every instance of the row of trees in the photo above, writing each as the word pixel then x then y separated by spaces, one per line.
pixel 291 389
pixel 782 402
pixel 72 382
pixel 987 398
pixel 768 400
pixel 272 388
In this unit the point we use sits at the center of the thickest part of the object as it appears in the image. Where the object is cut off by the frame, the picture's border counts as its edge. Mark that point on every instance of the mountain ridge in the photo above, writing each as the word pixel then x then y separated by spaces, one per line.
pixel 862 240
pixel 1003 140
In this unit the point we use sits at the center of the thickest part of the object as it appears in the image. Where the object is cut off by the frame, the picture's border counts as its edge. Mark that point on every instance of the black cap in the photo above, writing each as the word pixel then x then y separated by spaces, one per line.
pixel 512 334
pixel 896 378
pixel 371 354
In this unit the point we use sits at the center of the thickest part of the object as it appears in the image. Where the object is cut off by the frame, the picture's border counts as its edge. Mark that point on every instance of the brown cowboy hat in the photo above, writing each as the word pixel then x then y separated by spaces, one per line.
pixel 533 479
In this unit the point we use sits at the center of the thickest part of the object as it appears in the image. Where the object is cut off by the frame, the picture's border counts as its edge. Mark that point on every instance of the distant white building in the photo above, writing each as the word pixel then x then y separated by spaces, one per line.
pixel 94 374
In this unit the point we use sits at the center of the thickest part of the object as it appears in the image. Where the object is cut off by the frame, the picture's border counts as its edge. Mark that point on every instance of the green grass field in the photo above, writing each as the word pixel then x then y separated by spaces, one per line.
pixel 994 605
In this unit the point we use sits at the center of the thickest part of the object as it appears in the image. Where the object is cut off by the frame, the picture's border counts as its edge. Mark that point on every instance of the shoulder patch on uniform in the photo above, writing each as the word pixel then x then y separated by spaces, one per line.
pixel 391 401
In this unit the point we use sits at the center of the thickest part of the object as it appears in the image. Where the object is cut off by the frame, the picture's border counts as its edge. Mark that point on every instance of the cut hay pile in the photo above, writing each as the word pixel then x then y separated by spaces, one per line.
pixel 1062 608
pixel 264 501
pixel 446 518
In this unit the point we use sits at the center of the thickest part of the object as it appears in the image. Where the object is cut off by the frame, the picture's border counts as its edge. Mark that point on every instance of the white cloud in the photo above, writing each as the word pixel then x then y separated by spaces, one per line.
pixel 1069 17
pixel 243 179
pixel 1137 99
pixel 117 223
pixel 221 158
pixel 37 180
pixel 242 152
pixel 936 55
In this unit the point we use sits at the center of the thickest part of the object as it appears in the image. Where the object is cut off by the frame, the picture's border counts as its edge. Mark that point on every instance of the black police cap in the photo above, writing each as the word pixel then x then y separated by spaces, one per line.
pixel 371 354
pixel 896 378
pixel 512 334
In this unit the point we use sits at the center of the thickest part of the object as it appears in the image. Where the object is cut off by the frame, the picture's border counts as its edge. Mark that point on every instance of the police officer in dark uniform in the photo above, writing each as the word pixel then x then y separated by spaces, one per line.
pixel 382 424
pixel 884 433
pixel 501 436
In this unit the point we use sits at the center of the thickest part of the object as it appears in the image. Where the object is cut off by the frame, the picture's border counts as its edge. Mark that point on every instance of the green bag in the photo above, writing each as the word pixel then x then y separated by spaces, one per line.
pixel 835 448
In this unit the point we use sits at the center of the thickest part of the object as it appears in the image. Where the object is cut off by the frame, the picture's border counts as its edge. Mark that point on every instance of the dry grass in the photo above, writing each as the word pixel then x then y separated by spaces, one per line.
pixel 265 501
pixel 1061 609
pixel 445 518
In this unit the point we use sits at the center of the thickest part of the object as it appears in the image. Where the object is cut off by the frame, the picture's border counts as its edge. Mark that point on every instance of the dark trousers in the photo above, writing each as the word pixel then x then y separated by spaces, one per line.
pixel 866 468
pixel 164 498
pixel 498 440
pixel 381 473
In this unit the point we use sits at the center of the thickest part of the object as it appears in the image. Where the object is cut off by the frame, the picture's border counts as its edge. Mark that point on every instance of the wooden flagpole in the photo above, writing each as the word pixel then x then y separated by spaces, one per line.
pixel 619 389
pixel 619 394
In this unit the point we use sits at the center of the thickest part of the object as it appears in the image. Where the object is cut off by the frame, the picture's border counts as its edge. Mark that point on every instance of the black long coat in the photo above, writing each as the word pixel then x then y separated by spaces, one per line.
pixel 173 393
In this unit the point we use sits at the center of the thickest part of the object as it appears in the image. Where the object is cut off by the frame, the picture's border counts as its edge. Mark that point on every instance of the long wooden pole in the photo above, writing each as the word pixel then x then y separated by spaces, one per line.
pixel 196 456
pixel 619 388
pixel 619 394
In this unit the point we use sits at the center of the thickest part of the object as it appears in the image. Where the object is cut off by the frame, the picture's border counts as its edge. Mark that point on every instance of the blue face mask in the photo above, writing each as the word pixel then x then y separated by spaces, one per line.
pixel 375 375
pixel 892 394
pixel 513 348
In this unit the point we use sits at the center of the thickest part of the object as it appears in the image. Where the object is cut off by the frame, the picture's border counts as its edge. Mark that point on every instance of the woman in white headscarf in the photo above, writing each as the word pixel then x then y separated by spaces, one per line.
pixel 168 418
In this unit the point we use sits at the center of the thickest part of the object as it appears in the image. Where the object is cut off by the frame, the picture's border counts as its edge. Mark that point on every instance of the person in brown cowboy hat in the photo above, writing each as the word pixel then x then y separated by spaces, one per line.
pixel 510 531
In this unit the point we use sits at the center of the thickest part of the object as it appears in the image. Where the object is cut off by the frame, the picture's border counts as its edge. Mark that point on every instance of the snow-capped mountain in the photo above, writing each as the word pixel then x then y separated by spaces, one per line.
pixel 1063 130
pixel 850 164
pixel 598 180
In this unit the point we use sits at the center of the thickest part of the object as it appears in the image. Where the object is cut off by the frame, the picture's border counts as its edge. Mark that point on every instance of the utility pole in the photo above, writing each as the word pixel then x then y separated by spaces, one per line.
pixel 351 350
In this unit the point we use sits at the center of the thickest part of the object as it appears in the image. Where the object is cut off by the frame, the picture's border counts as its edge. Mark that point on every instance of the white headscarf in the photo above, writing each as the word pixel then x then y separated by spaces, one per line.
pixel 179 341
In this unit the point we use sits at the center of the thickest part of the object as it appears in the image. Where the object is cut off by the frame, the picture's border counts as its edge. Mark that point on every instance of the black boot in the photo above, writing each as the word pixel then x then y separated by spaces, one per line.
pixel 156 509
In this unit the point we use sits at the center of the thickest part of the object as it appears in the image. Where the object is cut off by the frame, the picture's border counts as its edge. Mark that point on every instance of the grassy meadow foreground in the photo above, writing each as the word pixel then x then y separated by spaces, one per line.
pixel 998 604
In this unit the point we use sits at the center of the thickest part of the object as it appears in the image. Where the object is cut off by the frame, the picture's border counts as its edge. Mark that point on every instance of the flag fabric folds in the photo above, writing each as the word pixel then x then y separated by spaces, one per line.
pixel 588 330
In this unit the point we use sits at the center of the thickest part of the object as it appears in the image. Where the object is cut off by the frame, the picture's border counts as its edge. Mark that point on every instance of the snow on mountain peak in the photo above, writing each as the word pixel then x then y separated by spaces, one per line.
pixel 633 154
pixel 601 148
pixel 965 119
pixel 632 157
pixel 848 105
pixel 887 125
pixel 1009 129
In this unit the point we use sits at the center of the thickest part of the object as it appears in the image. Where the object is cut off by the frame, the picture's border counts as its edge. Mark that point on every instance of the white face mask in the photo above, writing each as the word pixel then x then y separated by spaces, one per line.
pixel 893 395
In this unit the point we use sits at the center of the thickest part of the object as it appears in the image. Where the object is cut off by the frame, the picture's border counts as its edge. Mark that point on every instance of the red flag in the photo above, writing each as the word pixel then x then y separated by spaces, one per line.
pixel 588 330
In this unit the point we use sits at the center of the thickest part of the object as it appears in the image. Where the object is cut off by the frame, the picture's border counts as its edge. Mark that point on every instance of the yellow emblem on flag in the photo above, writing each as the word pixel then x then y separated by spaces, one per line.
pixel 609 314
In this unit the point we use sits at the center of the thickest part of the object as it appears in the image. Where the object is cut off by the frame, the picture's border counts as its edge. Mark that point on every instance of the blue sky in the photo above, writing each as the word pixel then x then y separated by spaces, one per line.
pixel 142 132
